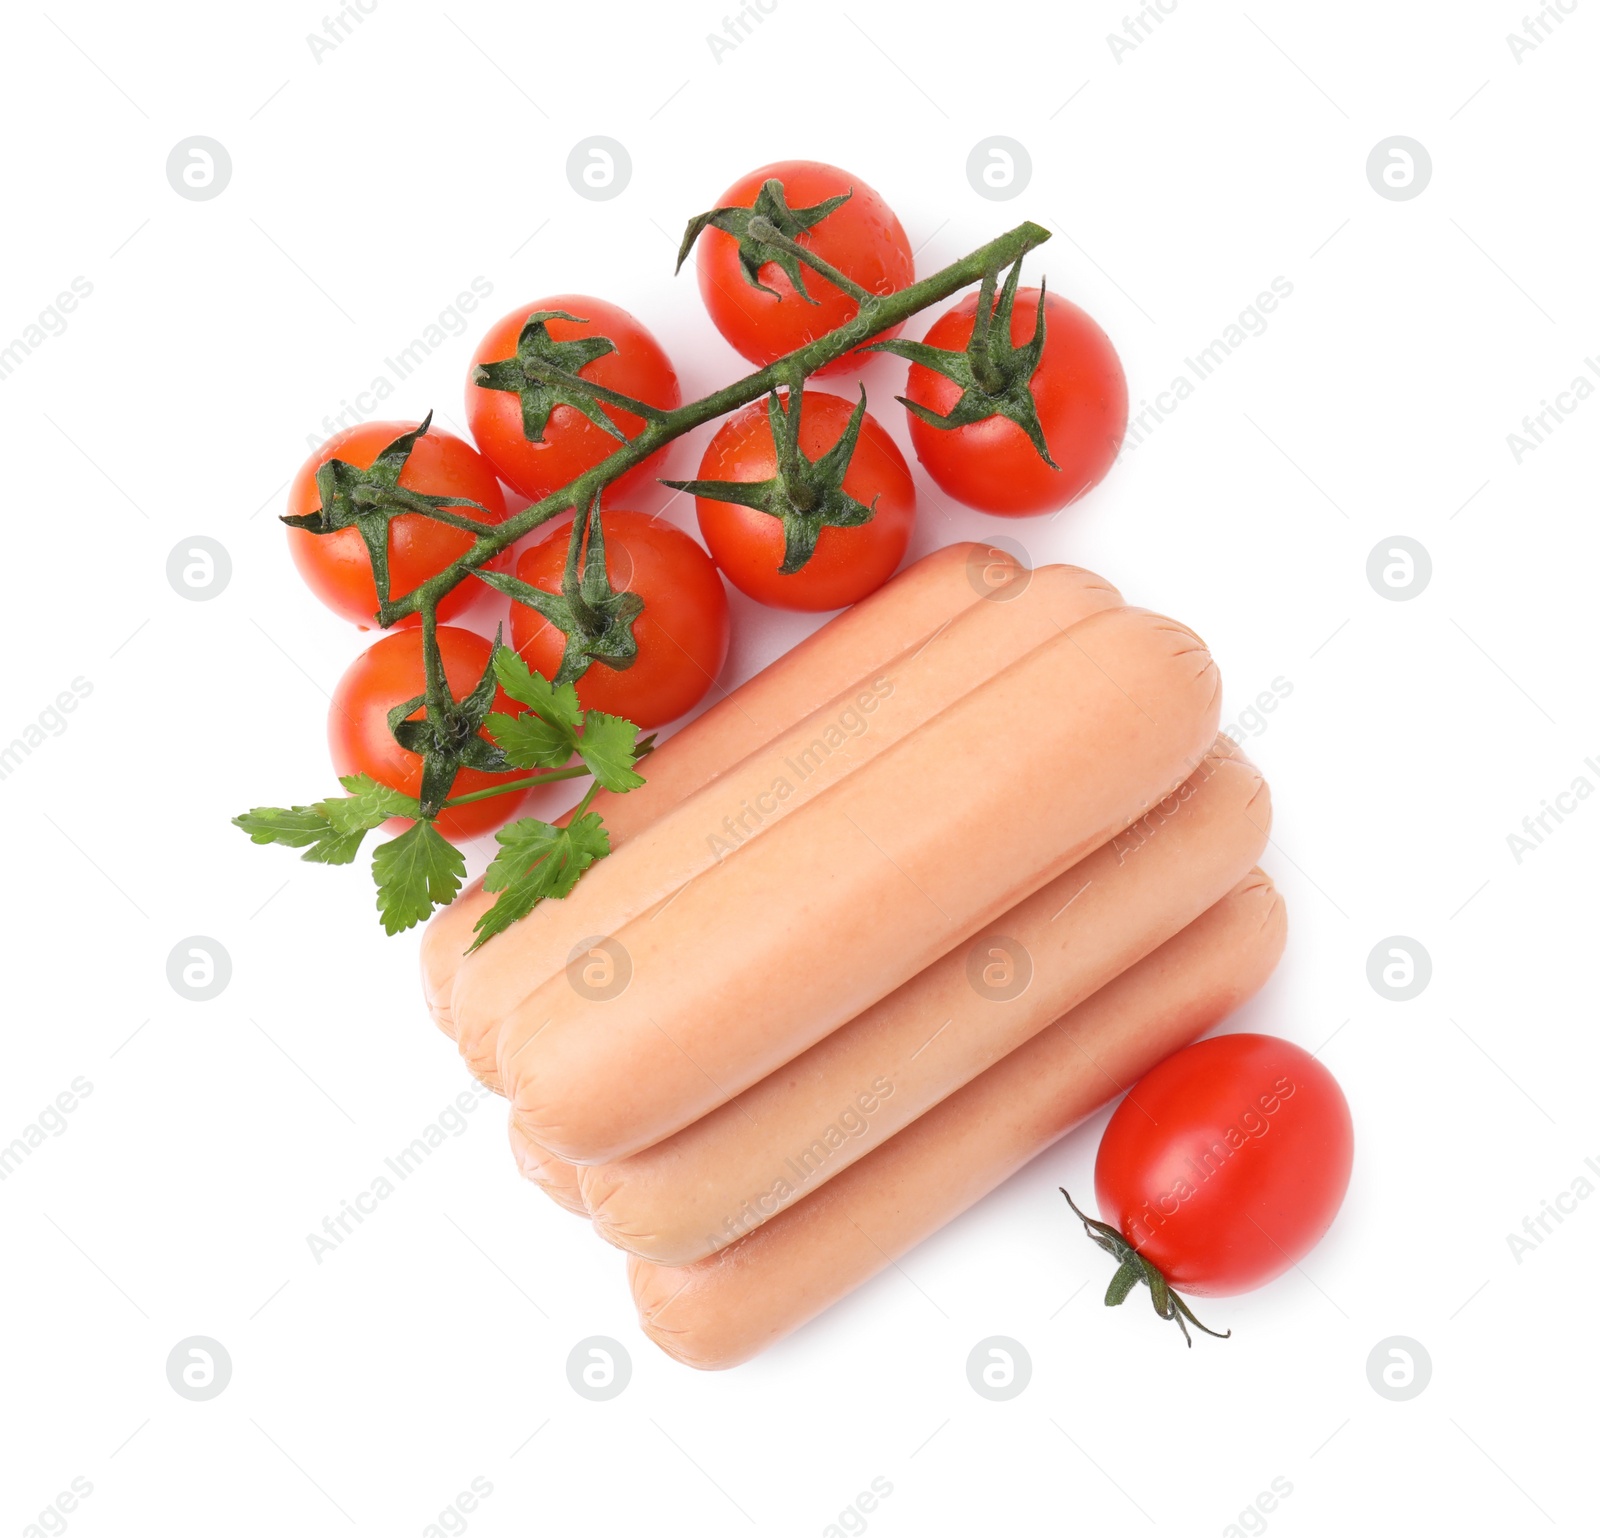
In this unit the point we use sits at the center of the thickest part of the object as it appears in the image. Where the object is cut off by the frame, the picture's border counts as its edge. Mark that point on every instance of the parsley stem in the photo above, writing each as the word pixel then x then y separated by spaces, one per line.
pixel 525 783
pixel 583 805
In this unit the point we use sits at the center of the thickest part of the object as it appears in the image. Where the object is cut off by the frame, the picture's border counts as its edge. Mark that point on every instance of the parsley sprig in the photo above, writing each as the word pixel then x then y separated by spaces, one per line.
pixel 420 869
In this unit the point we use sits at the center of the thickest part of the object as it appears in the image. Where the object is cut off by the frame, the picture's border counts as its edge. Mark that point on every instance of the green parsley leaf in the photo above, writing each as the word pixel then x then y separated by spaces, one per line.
pixel 558 704
pixel 301 827
pixel 531 742
pixel 536 861
pixel 368 804
pixel 295 826
pixel 339 847
pixel 329 831
pixel 607 747
pixel 415 873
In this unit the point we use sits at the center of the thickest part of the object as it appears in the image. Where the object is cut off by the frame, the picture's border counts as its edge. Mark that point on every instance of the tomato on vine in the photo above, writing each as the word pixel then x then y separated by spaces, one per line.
pixel 386 675
pixel 398 499
pixel 390 520
pixel 805 506
pixel 541 427
pixel 633 614
pixel 1017 403
pixel 754 288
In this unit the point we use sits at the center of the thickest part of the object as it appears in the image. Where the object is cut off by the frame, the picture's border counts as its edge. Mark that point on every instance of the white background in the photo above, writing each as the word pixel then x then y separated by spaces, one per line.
pixel 371 187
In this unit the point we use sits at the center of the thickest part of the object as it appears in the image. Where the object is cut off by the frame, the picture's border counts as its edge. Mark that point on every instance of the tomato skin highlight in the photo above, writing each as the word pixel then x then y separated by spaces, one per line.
pixel 336 567
pixel 1227 1163
pixel 1081 396
pixel 862 238
pixel 847 563
pixel 572 444
pixel 682 633
pixel 360 742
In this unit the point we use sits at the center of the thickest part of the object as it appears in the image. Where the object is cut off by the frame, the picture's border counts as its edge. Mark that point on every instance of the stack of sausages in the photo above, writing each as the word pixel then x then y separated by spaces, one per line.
pixel 881 926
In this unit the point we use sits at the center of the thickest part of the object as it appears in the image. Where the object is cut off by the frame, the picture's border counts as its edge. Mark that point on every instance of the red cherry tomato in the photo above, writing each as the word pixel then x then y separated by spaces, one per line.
pixel 1227 1162
pixel 572 443
pixel 336 567
pixel 682 632
pixel 360 741
pixel 1080 395
pixel 848 563
pixel 862 238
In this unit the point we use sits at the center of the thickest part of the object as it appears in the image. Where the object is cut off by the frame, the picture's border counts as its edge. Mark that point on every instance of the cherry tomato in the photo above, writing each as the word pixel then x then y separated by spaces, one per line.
pixel 336 567
pixel 571 443
pixel 359 739
pixel 1080 395
pixel 848 563
pixel 682 632
pixel 1227 1162
pixel 862 238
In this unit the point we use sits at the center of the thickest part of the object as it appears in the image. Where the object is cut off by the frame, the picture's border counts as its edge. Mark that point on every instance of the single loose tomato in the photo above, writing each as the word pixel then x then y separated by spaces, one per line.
pixel 861 237
pixel 848 562
pixel 681 632
pixel 337 567
pixel 1080 397
pixel 530 434
pixel 387 674
pixel 1227 1162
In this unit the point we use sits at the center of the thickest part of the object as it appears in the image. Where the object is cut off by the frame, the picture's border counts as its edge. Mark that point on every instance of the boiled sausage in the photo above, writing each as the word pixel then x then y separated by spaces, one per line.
pixel 733 964
pixel 783 1138
pixel 726 1308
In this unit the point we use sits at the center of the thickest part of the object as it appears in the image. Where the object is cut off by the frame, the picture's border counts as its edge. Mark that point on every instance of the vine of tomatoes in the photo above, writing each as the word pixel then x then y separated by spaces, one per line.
pixel 619 621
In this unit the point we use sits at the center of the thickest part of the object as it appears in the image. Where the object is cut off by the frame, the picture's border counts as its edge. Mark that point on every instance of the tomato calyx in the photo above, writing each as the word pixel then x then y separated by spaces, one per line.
pixel 806 495
pixel 446 737
pixel 1132 1269
pixel 544 373
pixel 766 232
pixel 995 375
pixel 368 500
pixel 596 619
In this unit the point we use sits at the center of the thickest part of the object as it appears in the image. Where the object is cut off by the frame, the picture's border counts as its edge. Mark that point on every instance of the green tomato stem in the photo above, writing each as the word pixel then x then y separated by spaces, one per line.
pixel 765 231
pixel 437 686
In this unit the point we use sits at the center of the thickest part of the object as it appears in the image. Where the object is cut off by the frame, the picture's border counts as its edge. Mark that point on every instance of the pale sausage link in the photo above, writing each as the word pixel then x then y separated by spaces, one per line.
pixel 727 1308
pixel 799 1127
pixel 750 802
pixel 834 906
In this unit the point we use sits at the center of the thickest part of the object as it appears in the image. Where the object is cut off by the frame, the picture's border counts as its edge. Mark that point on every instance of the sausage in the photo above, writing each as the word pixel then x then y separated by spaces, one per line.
pixel 766 1149
pixel 723 1310
pixel 555 1177
pixel 899 616
pixel 799 926
pixel 768 787
pixel 760 792
pixel 1078 932
pixel 746 1160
